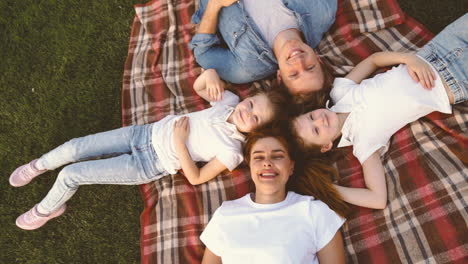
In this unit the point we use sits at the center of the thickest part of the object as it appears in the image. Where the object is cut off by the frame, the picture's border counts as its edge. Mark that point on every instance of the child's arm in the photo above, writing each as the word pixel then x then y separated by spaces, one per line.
pixel 209 86
pixel 194 174
pixel 375 195
pixel 210 258
pixel 418 69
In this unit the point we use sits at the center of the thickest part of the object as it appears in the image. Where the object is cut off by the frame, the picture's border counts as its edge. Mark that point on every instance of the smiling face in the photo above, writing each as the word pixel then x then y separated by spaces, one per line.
pixel 299 68
pixel 252 113
pixel 270 166
pixel 319 127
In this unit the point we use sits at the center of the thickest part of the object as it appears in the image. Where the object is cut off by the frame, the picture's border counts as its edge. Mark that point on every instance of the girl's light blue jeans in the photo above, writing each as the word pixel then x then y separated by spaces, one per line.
pixel 131 160
pixel 447 52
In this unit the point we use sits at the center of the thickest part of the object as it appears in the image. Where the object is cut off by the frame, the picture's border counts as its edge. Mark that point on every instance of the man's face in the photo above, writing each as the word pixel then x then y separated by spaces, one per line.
pixel 299 68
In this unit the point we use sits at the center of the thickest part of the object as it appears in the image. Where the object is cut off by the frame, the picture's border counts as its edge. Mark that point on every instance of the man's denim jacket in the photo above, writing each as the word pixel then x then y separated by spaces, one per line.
pixel 239 54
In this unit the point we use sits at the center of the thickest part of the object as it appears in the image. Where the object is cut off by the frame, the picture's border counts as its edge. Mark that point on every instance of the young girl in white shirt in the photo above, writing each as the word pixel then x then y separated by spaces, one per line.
pixel 366 113
pixel 143 153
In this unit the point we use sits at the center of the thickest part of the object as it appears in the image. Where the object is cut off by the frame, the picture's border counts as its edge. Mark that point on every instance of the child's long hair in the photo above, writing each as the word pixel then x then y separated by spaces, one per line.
pixel 317 163
pixel 311 175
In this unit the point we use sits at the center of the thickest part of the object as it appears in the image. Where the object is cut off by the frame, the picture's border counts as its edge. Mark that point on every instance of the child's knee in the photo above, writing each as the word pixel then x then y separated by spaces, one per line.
pixel 70 149
pixel 68 177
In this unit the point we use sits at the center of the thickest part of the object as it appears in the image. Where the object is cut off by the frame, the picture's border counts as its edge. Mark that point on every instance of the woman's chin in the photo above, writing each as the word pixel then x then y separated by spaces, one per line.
pixel 269 188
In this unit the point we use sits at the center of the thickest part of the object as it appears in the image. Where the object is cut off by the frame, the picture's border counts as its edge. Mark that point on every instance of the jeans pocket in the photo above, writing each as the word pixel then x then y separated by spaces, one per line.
pixel 236 35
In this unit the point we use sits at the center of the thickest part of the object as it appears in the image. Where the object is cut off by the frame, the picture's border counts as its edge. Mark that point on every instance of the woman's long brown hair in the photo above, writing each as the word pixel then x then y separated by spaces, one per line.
pixel 311 176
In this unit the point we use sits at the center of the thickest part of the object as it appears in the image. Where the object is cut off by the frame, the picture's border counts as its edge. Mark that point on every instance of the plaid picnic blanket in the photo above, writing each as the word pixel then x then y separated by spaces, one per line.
pixel 426 217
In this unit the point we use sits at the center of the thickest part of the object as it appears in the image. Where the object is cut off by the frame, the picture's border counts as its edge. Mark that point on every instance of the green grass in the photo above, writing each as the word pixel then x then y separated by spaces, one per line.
pixel 61 65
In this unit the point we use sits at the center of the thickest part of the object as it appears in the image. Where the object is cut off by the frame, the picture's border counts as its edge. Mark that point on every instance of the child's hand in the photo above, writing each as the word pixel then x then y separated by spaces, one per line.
pixel 181 131
pixel 420 71
pixel 214 85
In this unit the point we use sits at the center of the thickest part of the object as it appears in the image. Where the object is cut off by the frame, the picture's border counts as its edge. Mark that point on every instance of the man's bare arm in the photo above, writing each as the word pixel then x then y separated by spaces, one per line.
pixel 209 21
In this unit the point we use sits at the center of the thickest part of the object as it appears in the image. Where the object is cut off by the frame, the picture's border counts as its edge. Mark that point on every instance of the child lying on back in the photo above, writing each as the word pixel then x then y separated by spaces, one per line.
pixel 144 153
pixel 366 113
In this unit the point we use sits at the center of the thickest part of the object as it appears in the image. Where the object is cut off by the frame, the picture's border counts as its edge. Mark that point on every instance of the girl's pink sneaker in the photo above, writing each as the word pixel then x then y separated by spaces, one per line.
pixel 33 220
pixel 24 174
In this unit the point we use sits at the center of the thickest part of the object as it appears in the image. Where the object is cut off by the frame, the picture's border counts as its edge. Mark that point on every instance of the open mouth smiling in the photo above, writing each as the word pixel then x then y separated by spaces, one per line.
pixel 268 174
pixel 294 53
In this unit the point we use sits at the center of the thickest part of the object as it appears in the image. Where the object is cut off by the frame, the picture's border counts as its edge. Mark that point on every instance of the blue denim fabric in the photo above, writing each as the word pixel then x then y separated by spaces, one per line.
pixel 448 53
pixel 239 54
pixel 132 160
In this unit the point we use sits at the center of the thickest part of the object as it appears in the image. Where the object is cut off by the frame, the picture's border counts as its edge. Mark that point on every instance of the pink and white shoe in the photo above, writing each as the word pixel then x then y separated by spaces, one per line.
pixel 24 174
pixel 33 220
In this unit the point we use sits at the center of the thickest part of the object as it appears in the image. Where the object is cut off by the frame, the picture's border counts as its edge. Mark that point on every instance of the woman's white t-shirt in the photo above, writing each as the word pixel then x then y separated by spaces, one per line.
pixel 291 231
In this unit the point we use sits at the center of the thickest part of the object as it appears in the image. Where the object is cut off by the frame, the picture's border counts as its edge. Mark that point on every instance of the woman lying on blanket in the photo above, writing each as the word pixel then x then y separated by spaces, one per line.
pixel 148 152
pixel 274 225
pixel 366 113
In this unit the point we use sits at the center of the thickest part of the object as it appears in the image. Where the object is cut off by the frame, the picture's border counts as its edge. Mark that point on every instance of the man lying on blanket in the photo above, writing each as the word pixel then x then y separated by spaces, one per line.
pixel 260 36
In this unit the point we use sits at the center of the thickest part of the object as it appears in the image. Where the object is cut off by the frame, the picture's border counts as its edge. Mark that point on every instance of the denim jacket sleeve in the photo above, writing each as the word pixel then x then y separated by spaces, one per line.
pixel 211 55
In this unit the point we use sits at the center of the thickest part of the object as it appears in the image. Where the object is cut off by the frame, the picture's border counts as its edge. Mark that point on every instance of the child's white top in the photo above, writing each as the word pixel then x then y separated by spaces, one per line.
pixel 291 231
pixel 380 106
pixel 210 136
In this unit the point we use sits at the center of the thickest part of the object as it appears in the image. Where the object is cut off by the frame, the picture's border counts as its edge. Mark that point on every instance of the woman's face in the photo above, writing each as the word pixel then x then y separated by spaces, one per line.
pixel 270 166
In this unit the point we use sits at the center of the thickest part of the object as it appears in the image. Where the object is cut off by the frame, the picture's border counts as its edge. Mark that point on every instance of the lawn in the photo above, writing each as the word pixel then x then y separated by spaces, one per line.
pixel 61 67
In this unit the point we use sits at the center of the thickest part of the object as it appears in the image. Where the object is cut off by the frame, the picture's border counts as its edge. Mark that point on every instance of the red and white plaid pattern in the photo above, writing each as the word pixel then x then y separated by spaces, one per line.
pixel 426 218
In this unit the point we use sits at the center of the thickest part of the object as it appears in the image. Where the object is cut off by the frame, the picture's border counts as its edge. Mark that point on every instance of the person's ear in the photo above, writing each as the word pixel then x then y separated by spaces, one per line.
pixel 326 147
pixel 278 76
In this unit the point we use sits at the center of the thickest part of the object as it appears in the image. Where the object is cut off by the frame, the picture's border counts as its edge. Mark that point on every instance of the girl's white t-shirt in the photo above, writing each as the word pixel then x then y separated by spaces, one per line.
pixel 291 231
pixel 211 136
pixel 381 105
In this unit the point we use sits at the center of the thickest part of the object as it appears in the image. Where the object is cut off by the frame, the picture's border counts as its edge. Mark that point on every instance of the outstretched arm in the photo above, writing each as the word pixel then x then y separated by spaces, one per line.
pixel 419 70
pixel 194 174
pixel 375 194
